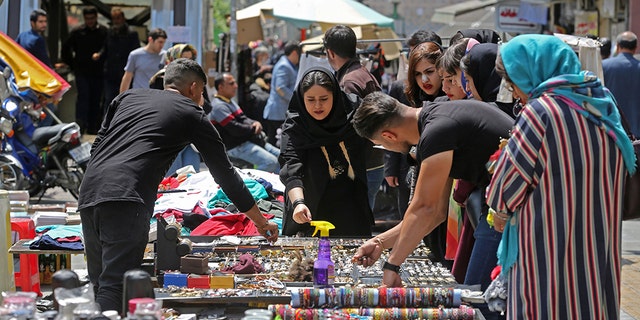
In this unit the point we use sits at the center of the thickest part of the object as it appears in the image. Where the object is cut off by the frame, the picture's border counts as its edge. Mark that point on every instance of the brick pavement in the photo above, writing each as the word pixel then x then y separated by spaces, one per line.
pixel 630 283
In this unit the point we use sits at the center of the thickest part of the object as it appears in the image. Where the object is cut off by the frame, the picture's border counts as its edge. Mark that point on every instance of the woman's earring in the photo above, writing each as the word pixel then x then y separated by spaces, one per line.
pixel 517 107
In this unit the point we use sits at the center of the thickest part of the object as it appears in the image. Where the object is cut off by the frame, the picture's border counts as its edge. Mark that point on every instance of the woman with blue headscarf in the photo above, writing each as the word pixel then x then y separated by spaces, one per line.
pixel 558 186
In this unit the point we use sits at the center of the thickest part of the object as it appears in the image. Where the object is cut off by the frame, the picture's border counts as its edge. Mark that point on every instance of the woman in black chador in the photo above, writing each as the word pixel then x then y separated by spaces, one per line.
pixel 323 160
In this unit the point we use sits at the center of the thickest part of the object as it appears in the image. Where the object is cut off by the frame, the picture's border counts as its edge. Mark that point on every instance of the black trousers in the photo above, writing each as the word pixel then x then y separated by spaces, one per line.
pixel 88 105
pixel 115 237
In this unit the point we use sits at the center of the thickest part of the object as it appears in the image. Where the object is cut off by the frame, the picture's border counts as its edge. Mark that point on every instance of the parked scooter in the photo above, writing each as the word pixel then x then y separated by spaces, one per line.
pixel 45 156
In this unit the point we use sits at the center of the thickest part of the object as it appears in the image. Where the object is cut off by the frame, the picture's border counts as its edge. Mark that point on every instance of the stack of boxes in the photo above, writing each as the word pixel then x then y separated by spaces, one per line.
pixel 195 273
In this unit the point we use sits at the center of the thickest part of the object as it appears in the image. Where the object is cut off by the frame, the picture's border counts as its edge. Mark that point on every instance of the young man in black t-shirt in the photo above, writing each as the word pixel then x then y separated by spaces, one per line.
pixel 143 131
pixel 454 140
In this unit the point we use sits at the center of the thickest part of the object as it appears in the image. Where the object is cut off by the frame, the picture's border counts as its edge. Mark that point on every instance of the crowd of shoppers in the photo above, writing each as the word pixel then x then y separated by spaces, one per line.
pixel 504 123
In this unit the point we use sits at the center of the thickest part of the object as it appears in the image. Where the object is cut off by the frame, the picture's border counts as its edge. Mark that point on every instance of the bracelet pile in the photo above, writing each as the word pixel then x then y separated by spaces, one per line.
pixel 348 296
pixel 289 312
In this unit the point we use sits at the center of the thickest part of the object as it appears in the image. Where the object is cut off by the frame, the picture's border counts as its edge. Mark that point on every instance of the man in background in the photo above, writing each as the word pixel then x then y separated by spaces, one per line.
pixel 622 77
pixel 78 52
pixel 33 40
pixel 242 136
pixel 283 82
pixel 340 43
pixel 121 40
pixel 144 62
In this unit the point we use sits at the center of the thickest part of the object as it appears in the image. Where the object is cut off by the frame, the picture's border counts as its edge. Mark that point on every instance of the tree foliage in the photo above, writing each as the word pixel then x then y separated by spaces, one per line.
pixel 221 8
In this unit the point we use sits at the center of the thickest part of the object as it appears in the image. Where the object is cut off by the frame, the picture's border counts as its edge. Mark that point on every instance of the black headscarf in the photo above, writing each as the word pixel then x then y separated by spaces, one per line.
pixel 305 132
pixel 482 69
pixel 482 35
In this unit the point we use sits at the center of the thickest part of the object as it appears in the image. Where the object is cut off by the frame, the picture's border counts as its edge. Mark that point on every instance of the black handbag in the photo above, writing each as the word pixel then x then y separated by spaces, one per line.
pixel 631 204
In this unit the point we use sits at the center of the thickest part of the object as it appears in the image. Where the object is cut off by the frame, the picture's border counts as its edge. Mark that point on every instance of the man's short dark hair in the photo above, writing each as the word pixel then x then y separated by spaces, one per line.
pixel 292 46
pixel 341 40
pixel 37 13
pixel 157 33
pixel 180 73
pixel 422 36
pixel 89 10
pixel 376 112
pixel 219 79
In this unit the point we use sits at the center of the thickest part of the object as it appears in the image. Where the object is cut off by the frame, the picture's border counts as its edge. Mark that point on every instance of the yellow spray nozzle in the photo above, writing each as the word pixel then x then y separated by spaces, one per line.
pixel 323 226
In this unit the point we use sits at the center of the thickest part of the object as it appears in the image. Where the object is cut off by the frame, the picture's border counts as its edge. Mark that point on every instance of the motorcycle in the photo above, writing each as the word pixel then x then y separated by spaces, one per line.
pixel 37 158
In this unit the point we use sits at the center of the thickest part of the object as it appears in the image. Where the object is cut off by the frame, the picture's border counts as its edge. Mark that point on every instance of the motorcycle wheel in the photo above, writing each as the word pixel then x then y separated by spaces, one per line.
pixel 11 177
pixel 75 172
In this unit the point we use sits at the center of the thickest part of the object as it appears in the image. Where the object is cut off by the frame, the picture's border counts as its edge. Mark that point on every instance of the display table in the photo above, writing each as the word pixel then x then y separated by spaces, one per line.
pixel 22 247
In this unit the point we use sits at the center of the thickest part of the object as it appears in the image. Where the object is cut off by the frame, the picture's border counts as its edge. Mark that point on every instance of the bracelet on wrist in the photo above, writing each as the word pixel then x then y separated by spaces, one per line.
pixel 390 266
pixel 379 241
pixel 502 216
pixel 296 202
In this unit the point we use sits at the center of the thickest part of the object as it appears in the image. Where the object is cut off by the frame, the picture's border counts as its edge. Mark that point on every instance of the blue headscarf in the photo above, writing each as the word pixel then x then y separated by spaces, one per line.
pixel 540 64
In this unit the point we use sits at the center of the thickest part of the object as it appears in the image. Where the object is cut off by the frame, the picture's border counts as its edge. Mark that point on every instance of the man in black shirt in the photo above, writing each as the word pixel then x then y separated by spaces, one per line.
pixel 79 52
pixel 454 140
pixel 143 131
pixel 121 40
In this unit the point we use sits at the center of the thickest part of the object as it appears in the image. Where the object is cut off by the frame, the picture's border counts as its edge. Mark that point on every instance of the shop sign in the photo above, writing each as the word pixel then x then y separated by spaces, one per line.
pixel 586 22
pixel 508 20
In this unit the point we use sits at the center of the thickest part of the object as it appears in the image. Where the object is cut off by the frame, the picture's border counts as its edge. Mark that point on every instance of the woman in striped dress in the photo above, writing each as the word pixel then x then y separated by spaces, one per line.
pixel 558 186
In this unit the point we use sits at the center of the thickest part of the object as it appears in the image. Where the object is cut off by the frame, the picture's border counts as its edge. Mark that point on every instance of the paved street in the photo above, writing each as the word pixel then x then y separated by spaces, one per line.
pixel 630 270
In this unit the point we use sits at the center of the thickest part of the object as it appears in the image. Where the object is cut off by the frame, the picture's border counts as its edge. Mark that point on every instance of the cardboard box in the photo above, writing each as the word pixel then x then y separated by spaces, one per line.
pixel 194 264
pixel 221 281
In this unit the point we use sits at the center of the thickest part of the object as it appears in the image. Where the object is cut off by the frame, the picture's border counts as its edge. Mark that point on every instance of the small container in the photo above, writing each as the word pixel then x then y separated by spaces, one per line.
pixel 198 281
pixel 263 313
pixel 175 279
pixel 86 311
pixel 148 310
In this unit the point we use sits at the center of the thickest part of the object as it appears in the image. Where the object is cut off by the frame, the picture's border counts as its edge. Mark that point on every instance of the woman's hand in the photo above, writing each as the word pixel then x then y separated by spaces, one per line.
pixel 500 221
pixel 269 231
pixel 368 253
pixel 301 214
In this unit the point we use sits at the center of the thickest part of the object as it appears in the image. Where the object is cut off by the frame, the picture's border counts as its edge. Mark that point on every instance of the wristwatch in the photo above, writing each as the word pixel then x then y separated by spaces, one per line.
pixel 392 267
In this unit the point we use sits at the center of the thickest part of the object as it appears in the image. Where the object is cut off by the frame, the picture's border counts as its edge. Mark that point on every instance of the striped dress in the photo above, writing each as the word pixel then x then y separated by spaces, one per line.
pixel 565 175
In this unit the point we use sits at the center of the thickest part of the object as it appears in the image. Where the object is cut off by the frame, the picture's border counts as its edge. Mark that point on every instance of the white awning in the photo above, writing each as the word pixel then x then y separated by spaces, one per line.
pixel 449 14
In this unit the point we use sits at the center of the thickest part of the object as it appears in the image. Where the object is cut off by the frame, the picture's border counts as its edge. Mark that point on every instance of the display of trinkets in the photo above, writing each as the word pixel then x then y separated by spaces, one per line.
pixel 295 265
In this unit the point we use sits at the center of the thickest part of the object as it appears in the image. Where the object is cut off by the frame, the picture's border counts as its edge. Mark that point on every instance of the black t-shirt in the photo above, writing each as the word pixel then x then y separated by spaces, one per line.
pixel 472 129
pixel 143 131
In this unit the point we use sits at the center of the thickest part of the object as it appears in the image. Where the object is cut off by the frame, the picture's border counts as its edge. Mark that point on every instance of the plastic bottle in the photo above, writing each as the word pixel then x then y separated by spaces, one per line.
pixel 323 267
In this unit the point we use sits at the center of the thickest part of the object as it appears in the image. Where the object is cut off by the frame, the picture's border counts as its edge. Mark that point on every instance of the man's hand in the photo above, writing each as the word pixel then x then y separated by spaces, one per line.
pixel 269 231
pixel 95 56
pixel 392 181
pixel 257 127
pixel 368 253
pixel 391 279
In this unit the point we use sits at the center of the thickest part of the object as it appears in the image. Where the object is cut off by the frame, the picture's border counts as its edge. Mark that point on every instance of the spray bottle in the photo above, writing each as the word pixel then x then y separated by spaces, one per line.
pixel 323 267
